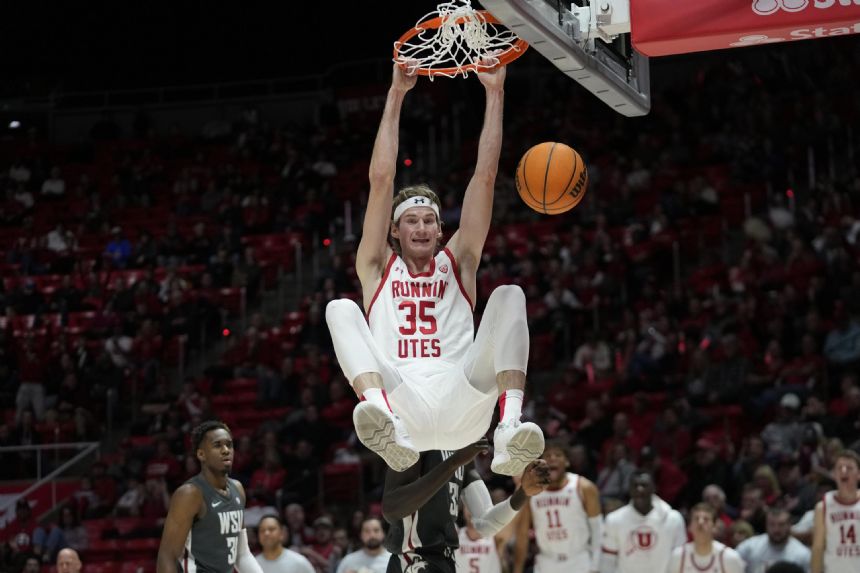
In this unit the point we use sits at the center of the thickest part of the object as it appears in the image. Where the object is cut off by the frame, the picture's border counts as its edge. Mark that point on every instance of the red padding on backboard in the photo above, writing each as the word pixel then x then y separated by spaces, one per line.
pixel 664 27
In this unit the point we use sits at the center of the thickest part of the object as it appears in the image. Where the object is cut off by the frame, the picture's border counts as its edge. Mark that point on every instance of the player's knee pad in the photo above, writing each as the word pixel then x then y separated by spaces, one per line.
pixel 510 296
pixel 339 309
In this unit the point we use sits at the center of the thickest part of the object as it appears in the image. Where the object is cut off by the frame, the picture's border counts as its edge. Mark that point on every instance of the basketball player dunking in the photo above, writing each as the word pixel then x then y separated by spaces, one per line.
pixel 425 380
pixel 422 504
pixel 835 546
pixel 704 554
pixel 204 528
pixel 567 521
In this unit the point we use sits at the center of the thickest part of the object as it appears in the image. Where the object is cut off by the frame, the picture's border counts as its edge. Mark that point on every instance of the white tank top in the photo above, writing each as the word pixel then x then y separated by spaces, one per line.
pixel 478 556
pixel 842 528
pixel 722 559
pixel 560 521
pixel 416 319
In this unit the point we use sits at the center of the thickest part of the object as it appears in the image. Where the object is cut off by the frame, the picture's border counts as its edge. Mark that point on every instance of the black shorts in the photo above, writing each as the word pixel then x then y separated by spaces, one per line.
pixel 415 563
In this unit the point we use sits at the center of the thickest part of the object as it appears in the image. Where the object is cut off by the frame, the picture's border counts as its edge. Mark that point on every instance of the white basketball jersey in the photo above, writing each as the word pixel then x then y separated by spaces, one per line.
pixel 643 543
pixel 722 559
pixel 560 522
pixel 419 318
pixel 842 526
pixel 478 556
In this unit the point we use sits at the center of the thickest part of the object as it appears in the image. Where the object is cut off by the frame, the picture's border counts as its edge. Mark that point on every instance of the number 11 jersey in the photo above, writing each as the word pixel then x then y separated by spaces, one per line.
pixel 561 526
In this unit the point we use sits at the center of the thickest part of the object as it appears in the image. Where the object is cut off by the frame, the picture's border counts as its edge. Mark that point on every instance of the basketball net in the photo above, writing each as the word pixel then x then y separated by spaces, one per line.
pixel 454 40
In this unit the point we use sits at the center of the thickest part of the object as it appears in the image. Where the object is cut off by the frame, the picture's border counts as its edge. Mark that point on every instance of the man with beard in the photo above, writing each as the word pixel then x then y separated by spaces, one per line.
pixel 567 521
pixel 372 557
pixel 205 523
pixel 762 551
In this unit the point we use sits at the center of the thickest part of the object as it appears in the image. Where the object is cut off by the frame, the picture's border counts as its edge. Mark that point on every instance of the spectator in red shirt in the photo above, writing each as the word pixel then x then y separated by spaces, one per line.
pixel 323 549
pixel 266 481
pixel 163 464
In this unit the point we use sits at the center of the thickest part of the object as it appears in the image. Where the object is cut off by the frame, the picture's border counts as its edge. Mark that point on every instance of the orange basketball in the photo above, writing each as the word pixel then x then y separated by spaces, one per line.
pixel 551 178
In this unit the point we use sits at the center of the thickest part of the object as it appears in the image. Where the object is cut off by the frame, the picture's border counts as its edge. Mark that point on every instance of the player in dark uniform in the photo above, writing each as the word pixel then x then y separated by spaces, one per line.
pixel 422 504
pixel 205 527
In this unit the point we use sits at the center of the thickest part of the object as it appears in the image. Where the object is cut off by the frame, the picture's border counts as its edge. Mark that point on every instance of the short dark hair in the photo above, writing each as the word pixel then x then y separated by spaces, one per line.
pixel 198 433
pixel 274 516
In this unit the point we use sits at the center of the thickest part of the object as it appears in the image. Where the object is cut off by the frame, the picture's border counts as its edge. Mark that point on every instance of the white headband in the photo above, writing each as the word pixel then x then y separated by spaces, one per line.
pixel 417 201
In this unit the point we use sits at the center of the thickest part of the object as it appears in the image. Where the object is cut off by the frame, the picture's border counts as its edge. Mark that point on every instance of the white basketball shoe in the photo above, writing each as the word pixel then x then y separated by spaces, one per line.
pixel 384 433
pixel 516 445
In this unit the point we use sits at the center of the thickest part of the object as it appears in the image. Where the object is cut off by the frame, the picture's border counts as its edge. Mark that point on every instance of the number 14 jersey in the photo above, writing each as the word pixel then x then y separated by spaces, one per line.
pixel 842 527
pixel 421 317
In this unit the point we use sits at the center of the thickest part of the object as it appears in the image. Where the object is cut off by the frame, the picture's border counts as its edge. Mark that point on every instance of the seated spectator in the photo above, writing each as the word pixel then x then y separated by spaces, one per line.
pixel 130 502
pixel 798 495
pixel 784 435
pixel 55 185
pixel 266 481
pixel 322 550
pixel 118 250
pixel 613 480
pixel 765 479
pixel 714 496
pixel 775 545
pixel 156 500
pixel 299 532
pixel 669 480
pixel 706 468
pixel 68 561
pixel 74 534
pixel 163 465
pixel 739 532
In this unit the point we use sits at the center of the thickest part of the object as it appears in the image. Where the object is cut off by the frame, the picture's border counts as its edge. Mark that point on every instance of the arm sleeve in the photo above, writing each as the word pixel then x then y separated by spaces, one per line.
pixel 245 561
pixel 487 518
pixel 595 526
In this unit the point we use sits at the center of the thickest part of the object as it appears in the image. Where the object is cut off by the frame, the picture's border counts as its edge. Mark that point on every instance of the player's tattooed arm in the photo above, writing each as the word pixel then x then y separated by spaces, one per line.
pixel 405 492
pixel 185 504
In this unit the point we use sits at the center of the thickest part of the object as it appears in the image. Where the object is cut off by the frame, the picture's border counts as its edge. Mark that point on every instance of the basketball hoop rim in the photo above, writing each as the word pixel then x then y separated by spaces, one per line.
pixel 516 49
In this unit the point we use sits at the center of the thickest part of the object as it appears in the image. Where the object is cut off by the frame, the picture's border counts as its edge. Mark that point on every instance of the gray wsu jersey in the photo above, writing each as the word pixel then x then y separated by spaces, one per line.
pixel 213 542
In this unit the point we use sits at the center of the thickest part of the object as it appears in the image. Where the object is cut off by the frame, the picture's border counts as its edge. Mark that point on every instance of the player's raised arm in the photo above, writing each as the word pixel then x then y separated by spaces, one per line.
pixel 405 492
pixel 818 540
pixel 373 248
pixel 184 506
pixel 468 242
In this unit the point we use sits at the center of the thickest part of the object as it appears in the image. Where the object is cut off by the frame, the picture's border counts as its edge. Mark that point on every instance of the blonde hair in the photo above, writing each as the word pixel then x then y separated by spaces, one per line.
pixel 766 472
pixel 420 190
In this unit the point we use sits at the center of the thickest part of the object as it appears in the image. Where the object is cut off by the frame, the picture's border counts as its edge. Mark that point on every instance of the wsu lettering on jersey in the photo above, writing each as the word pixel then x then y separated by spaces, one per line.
pixel 231 522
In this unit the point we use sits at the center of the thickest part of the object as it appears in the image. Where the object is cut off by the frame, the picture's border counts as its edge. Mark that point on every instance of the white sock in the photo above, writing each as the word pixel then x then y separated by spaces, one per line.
pixel 511 405
pixel 377 397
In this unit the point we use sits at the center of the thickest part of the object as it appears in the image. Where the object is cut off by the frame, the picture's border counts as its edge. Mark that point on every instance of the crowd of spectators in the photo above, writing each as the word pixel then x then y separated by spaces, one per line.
pixel 696 315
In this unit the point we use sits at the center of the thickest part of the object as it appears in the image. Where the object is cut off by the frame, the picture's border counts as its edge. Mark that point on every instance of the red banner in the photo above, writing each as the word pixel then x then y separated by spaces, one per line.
pixel 664 27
